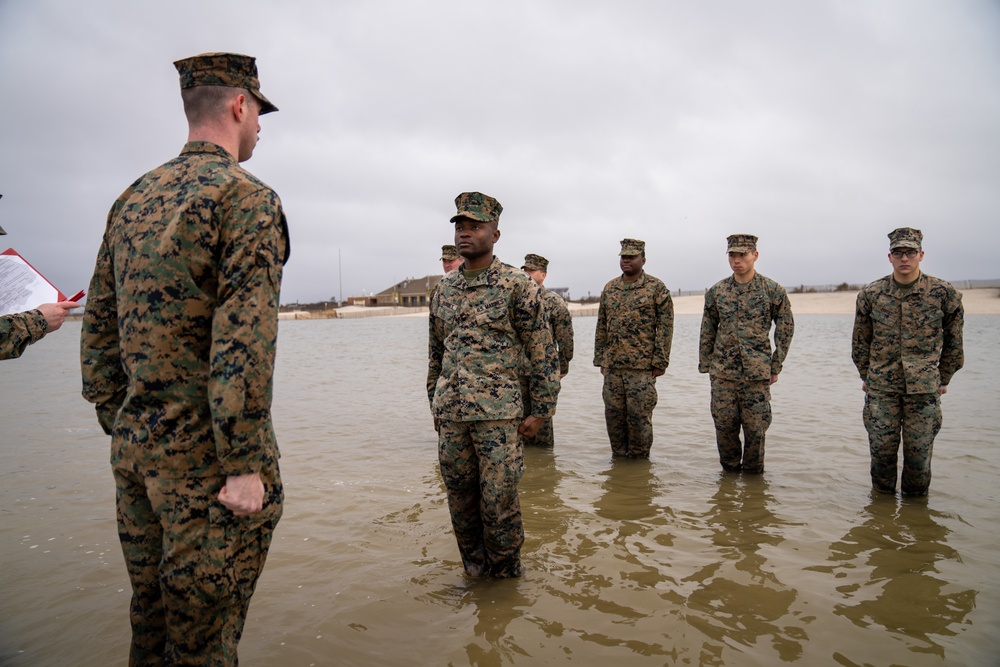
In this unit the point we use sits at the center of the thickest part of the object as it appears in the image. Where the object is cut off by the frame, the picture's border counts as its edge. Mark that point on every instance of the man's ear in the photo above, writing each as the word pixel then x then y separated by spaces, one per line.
pixel 238 106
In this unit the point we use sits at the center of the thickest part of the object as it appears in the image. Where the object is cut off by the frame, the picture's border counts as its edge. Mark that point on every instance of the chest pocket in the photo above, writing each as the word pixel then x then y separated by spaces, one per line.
pixel 495 325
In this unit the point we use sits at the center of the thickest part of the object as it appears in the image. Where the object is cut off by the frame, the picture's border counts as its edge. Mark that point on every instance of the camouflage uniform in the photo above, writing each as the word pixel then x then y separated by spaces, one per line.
pixel 635 323
pixel 476 332
pixel 561 325
pixel 177 353
pixel 907 344
pixel 735 350
pixel 19 330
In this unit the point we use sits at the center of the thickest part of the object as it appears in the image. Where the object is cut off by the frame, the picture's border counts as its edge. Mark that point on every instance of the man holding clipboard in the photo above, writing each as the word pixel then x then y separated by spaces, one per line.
pixel 18 330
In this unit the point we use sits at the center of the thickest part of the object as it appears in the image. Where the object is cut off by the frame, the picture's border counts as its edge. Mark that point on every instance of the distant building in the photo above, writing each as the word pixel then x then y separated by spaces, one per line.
pixel 561 291
pixel 412 292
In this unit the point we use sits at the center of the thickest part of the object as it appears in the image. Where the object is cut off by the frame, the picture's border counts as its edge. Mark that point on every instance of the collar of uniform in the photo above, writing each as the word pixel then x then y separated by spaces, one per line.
pixel 488 275
pixel 919 285
pixel 742 287
pixel 638 282
pixel 205 147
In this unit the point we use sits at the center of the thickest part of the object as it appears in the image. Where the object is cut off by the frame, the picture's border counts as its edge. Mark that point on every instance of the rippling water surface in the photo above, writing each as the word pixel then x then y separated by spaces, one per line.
pixel 658 562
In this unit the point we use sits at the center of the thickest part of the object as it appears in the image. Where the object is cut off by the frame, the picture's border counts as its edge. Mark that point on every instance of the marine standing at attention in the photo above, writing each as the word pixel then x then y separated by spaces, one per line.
pixel 480 316
pixel 177 353
pixel 635 325
pixel 561 325
pixel 907 345
pixel 735 351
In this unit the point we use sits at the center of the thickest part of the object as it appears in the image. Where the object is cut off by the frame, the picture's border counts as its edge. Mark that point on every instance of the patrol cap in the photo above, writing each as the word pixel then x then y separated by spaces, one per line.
pixel 449 252
pixel 534 262
pixel 905 237
pixel 477 206
pixel 223 69
pixel 741 243
pixel 632 247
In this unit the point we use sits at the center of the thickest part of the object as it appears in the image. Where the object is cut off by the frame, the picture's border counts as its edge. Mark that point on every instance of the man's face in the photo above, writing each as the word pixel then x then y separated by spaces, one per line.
pixel 475 239
pixel 536 275
pixel 906 263
pixel 742 262
pixel 250 128
pixel 632 264
pixel 451 264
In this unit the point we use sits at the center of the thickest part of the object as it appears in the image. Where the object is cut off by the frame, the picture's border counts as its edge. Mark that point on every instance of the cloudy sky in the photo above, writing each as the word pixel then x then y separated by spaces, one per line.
pixel 819 126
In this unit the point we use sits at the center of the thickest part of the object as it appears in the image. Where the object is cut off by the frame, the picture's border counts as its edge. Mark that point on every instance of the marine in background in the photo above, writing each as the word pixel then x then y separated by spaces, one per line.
pixel 907 346
pixel 635 327
pixel 735 350
pixel 561 324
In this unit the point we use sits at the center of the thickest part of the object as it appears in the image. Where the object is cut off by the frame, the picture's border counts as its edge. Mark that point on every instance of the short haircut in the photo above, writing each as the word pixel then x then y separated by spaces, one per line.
pixel 205 103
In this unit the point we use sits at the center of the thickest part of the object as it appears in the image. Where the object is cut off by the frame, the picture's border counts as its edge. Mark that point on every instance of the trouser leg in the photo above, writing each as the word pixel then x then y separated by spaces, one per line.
pixel 481 465
pixel 460 472
pixel 501 465
pixel 614 412
pixel 921 424
pixel 640 400
pixel 755 413
pixel 141 538
pixel 208 563
pixel 883 418
pixel 726 415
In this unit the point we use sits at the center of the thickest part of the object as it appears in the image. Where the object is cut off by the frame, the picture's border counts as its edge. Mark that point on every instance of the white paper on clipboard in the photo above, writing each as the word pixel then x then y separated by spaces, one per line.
pixel 22 287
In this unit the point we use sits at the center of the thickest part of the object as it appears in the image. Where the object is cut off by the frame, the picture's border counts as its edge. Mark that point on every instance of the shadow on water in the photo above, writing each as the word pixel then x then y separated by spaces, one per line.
pixel 888 565
pixel 740 599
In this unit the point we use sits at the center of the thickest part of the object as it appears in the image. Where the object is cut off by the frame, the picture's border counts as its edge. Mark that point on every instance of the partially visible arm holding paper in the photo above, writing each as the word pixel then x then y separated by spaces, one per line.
pixel 30 306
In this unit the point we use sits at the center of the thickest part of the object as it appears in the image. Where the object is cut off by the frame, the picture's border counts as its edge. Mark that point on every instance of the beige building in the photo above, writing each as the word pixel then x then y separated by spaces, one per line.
pixel 412 292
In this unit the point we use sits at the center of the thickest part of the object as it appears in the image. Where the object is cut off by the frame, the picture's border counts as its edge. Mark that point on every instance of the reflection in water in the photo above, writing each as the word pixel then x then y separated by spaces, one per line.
pixel 740 600
pixel 902 545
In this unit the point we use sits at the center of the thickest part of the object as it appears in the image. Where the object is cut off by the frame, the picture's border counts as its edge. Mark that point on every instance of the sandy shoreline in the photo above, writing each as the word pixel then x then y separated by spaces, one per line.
pixel 984 301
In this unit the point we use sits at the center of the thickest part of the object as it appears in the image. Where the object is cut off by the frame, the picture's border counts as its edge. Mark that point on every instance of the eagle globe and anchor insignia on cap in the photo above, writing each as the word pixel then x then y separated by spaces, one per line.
pixel 533 262
pixel 632 247
pixel 741 243
pixel 477 206
pixel 905 237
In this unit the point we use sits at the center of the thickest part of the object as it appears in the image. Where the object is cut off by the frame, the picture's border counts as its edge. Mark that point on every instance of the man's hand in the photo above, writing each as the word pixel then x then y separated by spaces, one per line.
pixel 864 387
pixel 55 313
pixel 437 425
pixel 657 372
pixel 243 495
pixel 529 427
pixel 942 390
pixel 774 378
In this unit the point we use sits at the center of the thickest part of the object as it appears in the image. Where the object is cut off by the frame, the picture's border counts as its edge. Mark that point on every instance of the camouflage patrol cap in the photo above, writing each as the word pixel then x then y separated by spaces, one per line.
pixel 223 69
pixel 741 243
pixel 534 262
pixel 477 206
pixel 905 237
pixel 632 247
pixel 449 252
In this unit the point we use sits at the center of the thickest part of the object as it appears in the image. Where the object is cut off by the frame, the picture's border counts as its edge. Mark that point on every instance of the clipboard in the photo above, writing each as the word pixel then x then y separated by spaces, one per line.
pixel 23 287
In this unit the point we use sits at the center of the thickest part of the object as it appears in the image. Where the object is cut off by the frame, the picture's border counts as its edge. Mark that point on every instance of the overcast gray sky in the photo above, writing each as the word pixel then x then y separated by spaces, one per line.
pixel 819 126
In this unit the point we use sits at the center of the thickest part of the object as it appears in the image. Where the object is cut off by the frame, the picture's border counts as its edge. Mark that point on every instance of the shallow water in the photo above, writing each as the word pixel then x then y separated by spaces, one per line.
pixel 629 562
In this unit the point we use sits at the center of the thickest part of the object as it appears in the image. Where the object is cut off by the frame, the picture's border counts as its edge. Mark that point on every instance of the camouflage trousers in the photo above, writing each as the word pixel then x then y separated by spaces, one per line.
pixel 192 564
pixel 629 399
pixel 545 437
pixel 481 464
pixel 741 404
pixel 918 418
